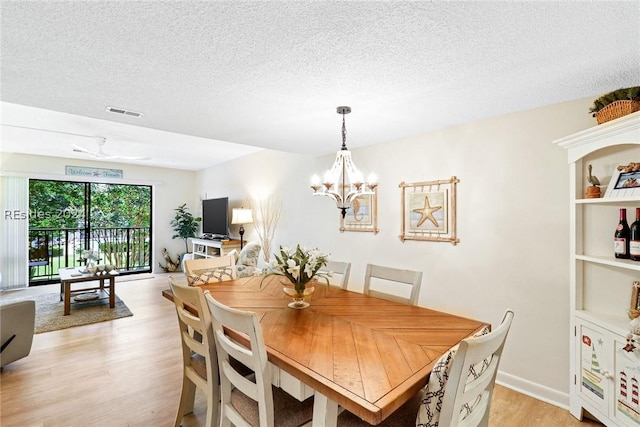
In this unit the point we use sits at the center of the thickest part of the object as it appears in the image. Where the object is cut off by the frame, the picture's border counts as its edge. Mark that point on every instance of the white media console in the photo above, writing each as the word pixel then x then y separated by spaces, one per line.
pixel 205 248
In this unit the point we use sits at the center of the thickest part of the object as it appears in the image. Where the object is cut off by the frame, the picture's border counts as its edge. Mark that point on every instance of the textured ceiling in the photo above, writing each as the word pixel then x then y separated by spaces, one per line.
pixel 270 74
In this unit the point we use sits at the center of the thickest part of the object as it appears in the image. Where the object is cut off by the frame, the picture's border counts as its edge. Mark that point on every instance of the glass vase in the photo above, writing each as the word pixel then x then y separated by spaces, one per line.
pixel 298 292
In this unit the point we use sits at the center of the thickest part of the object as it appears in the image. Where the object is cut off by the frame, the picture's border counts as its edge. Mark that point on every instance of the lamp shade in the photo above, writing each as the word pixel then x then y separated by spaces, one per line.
pixel 241 216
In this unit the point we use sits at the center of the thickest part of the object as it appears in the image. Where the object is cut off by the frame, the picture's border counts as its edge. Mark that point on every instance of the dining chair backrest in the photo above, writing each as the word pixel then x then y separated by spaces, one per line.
pixel 469 387
pixel 384 276
pixel 212 269
pixel 240 393
pixel 255 358
pixel 342 269
pixel 199 359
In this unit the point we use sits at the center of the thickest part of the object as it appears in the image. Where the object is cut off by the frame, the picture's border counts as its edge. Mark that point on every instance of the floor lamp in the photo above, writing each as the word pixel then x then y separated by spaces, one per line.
pixel 241 216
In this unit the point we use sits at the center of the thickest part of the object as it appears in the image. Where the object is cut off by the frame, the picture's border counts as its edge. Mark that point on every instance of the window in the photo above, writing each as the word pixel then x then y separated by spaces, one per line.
pixel 66 218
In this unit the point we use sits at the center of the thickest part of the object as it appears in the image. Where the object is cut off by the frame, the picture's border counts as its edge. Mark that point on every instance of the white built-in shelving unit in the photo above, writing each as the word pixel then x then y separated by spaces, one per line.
pixel 605 378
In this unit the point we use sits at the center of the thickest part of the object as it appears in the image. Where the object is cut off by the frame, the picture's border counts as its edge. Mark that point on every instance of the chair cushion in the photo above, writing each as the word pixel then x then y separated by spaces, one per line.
pixel 205 276
pixel 288 411
pixel 199 364
pixel 429 411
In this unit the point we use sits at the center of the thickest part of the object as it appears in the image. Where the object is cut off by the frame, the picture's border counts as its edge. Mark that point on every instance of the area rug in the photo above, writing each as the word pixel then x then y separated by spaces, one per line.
pixel 50 312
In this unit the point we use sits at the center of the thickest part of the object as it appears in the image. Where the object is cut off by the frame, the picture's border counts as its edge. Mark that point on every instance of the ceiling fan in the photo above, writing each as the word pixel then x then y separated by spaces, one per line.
pixel 100 154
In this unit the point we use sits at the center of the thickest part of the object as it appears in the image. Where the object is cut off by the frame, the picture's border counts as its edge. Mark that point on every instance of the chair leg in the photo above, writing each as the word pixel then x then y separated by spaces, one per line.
pixel 213 410
pixel 187 399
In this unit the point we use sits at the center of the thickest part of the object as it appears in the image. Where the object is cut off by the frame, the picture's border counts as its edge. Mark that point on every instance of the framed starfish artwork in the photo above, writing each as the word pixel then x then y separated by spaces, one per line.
pixel 362 215
pixel 429 211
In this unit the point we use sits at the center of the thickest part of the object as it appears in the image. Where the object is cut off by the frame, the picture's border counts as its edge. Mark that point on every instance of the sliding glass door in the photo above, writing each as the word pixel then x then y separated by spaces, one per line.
pixel 68 218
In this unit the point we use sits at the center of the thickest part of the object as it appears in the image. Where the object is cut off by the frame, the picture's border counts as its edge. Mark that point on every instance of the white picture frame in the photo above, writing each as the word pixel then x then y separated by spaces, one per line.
pixel 363 215
pixel 623 184
pixel 429 211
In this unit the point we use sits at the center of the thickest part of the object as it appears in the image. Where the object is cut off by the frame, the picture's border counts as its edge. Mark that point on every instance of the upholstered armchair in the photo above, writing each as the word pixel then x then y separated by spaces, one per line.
pixel 17 321
pixel 247 263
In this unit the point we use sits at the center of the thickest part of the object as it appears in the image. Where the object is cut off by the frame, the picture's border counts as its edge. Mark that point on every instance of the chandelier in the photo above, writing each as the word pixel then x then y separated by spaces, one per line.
pixel 343 182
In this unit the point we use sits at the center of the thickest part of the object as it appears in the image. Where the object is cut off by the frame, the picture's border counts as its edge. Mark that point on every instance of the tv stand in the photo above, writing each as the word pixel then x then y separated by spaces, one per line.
pixel 206 248
pixel 207 236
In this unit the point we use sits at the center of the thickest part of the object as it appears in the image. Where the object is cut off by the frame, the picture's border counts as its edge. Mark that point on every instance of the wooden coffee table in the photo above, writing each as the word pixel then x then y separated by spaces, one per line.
pixel 69 276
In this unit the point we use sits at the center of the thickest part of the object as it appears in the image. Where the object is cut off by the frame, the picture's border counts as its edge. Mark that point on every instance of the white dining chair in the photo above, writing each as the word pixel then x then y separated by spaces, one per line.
pixel 386 277
pixel 342 269
pixel 199 360
pixel 250 401
pixel 460 387
pixel 469 388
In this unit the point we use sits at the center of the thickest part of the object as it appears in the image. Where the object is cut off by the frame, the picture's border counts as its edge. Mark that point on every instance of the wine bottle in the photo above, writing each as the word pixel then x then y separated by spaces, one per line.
pixel 622 236
pixel 634 239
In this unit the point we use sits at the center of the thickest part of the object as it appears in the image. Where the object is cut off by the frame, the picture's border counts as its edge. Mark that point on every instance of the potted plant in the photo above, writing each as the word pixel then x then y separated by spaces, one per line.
pixel 185 224
pixel 616 104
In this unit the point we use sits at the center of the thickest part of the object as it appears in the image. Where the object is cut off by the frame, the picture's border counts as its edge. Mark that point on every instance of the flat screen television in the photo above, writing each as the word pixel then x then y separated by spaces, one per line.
pixel 215 218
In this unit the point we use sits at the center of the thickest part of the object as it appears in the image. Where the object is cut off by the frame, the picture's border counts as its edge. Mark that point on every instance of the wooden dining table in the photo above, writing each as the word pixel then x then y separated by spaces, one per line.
pixel 362 353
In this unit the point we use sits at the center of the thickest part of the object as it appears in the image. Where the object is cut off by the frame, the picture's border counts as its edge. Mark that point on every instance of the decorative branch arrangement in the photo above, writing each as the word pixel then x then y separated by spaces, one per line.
pixel 429 211
pixel 267 213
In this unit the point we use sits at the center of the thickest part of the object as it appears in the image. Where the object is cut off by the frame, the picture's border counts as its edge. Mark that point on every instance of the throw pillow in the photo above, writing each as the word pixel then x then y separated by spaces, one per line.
pixel 202 277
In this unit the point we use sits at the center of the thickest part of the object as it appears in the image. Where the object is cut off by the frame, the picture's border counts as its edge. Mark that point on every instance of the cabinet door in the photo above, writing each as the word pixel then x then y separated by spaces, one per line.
pixel 627 372
pixel 595 347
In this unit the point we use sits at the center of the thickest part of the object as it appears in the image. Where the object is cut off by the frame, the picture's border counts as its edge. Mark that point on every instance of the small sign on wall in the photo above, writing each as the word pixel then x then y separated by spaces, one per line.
pixel 93 172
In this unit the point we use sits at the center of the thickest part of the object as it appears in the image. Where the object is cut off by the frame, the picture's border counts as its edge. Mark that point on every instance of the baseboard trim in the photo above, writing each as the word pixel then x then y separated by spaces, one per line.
pixel 537 391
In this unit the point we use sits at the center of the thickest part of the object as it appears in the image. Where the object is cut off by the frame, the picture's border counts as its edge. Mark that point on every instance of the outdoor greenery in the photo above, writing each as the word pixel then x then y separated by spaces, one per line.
pixel 113 219
pixel 59 204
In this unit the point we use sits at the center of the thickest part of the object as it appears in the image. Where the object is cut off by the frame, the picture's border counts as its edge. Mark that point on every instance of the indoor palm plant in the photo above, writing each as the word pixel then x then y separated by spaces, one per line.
pixel 185 224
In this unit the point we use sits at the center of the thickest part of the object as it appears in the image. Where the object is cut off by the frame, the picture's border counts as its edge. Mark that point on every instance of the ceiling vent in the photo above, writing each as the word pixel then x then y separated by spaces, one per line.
pixel 123 111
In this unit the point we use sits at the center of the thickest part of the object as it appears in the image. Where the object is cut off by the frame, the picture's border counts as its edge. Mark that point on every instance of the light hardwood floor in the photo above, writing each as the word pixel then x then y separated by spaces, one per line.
pixel 127 373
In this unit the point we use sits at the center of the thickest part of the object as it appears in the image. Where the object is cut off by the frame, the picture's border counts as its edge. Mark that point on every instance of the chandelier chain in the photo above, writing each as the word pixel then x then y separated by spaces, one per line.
pixel 344 134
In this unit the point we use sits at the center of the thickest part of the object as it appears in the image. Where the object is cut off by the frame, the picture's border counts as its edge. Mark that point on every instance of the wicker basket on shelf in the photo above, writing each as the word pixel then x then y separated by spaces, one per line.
pixel 616 110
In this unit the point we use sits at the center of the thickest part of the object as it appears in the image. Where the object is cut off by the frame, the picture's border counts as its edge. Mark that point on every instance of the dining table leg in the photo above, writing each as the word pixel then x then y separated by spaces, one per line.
pixel 325 411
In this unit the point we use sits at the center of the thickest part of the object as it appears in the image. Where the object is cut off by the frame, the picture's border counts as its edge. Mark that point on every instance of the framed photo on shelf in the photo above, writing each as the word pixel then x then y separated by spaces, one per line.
pixel 429 211
pixel 362 215
pixel 623 184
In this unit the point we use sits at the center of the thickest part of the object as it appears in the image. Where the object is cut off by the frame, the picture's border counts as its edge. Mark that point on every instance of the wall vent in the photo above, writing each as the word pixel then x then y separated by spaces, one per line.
pixel 123 111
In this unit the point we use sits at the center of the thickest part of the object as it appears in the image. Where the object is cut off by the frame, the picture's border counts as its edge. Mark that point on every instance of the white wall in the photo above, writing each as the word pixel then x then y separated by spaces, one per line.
pixel 171 188
pixel 512 224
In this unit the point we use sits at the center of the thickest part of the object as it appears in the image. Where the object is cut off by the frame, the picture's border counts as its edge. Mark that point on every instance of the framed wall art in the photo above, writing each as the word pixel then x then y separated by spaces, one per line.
pixel 362 215
pixel 429 211
pixel 625 182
